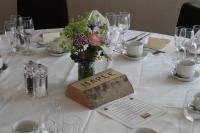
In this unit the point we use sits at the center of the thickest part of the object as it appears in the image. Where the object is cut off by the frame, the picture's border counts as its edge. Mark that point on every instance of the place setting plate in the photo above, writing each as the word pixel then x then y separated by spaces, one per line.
pixel 178 77
pixel 55 53
pixel 134 58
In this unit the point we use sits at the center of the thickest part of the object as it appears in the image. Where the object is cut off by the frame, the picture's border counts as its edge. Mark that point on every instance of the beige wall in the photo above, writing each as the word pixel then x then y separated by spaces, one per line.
pixel 7 7
pixel 149 15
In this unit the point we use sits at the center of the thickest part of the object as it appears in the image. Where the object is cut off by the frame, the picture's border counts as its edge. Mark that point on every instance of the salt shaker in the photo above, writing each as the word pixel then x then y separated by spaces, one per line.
pixel 40 81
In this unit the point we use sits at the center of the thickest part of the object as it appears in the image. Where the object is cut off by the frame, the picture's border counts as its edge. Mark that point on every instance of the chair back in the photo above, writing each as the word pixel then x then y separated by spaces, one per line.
pixel 45 13
pixel 189 14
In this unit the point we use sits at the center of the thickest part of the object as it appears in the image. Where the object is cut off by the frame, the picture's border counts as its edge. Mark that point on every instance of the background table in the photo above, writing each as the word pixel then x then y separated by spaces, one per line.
pixel 150 77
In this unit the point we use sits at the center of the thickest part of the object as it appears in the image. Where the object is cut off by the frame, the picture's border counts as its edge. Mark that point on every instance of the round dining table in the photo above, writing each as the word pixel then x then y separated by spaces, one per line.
pixel 150 77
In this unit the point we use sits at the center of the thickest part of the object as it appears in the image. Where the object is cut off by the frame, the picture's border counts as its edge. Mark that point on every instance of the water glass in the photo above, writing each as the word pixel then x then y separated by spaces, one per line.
pixel 26 32
pixel 113 31
pixel 189 44
pixel 50 117
pixel 72 124
pixel 177 41
pixel 123 21
pixel 10 31
pixel 192 107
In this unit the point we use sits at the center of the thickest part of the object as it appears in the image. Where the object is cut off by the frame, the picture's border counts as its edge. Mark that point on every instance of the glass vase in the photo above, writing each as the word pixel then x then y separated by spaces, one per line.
pixel 85 69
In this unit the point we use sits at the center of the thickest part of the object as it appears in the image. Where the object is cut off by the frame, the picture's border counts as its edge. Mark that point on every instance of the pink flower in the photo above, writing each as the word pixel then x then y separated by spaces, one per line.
pixel 95 40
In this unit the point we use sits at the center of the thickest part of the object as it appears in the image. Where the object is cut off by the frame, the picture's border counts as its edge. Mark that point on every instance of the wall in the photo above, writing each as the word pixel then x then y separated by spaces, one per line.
pixel 7 7
pixel 149 15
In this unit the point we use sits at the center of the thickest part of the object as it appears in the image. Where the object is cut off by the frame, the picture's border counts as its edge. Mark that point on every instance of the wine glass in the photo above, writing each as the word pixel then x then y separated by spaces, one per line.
pixel 26 32
pixel 17 19
pixel 10 31
pixel 129 18
pixel 192 107
pixel 123 25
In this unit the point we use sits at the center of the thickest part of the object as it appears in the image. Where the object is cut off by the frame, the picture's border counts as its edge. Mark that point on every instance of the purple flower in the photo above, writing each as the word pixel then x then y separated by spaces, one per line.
pixel 105 39
pixel 97 24
pixel 80 40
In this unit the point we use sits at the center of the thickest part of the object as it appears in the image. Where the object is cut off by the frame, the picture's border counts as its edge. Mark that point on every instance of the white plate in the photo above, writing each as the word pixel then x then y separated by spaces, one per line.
pixel 135 58
pixel 195 76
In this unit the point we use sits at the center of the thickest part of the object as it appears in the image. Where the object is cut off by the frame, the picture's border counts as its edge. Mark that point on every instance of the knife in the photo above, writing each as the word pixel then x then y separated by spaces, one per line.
pixel 139 39
pixel 134 38
pixel 155 49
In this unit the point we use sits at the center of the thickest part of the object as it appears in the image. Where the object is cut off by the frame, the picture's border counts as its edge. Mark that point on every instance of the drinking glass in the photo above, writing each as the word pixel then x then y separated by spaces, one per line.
pixel 177 40
pixel 129 18
pixel 123 25
pixel 189 43
pixel 192 107
pixel 26 32
pixel 18 20
pixel 10 31
pixel 113 32
pixel 196 29
pixel 50 119
pixel 72 124
pixel 185 36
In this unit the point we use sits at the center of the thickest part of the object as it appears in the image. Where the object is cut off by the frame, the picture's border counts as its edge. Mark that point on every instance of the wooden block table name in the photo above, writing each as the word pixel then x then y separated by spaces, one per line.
pixel 99 89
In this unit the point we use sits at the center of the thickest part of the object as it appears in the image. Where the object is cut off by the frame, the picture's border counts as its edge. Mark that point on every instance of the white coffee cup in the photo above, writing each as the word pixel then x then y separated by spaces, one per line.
pixel 186 68
pixel 25 126
pixel 145 130
pixel 135 48
pixel 55 46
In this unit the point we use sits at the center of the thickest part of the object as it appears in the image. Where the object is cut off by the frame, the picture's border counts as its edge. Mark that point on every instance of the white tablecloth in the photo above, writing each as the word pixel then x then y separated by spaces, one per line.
pixel 150 77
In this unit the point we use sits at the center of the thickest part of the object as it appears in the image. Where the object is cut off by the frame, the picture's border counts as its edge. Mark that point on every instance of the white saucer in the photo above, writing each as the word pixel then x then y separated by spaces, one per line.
pixel 55 53
pixel 134 58
pixel 195 76
pixel 193 52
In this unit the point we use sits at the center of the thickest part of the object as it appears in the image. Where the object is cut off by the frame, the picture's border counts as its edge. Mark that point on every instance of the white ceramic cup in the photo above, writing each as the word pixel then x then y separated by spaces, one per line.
pixel 55 46
pixel 145 130
pixel 25 126
pixel 135 48
pixel 186 68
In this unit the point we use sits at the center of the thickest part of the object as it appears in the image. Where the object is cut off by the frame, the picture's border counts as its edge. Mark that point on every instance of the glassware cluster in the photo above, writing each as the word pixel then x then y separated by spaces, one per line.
pixel 118 26
pixel 18 31
pixel 188 41
pixel 36 79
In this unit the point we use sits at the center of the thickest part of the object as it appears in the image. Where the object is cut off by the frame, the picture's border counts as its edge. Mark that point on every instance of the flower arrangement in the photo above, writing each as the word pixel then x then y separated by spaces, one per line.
pixel 85 38
pixel 86 35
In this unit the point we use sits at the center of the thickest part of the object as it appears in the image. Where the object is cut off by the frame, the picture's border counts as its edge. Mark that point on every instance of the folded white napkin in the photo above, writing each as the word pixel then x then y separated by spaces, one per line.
pixel 50 36
pixel 157 43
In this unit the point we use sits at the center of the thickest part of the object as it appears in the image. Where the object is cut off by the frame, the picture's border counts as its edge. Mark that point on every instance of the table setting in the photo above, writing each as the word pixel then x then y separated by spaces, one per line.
pixel 39 65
